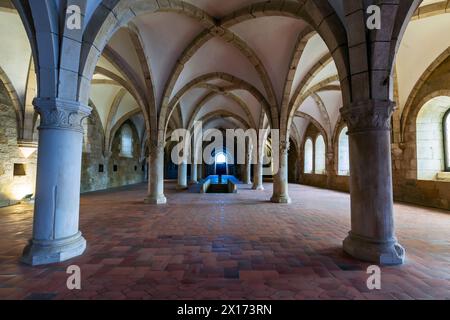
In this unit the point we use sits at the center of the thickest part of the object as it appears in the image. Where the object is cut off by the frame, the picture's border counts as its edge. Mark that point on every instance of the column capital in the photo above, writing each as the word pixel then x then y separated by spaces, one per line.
pixel 61 114
pixel 284 147
pixel 368 115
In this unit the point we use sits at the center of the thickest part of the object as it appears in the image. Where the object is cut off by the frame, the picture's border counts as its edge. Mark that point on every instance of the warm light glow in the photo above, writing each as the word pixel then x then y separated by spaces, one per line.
pixel 220 158
pixel 21 190
pixel 27 151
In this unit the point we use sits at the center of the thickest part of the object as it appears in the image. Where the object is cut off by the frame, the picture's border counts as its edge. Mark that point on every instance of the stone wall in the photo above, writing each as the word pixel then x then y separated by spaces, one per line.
pixel 117 170
pixel 407 187
pixel 129 170
pixel 13 188
pixel 91 178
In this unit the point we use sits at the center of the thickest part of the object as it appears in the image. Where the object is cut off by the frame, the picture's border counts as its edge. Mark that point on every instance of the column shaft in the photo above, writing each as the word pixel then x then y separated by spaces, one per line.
pixel 56 235
pixel 280 182
pixel 372 236
pixel 182 176
pixel 200 171
pixel 156 175
pixel 248 164
pixel 258 173
pixel 194 173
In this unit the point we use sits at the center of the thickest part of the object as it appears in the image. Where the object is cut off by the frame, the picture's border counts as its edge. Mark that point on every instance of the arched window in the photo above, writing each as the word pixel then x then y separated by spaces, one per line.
pixel 432 131
pixel 447 140
pixel 126 146
pixel 309 156
pixel 86 142
pixel 343 152
pixel 319 156
pixel 221 158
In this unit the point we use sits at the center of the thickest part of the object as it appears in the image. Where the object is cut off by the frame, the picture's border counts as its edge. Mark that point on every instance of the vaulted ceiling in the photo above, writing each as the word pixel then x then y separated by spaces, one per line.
pixel 221 75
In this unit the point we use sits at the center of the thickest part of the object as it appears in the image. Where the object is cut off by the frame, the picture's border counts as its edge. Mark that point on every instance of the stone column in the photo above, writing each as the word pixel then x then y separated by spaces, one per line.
pixel 194 172
pixel 156 175
pixel 200 171
pixel 372 236
pixel 258 172
pixel 248 163
pixel 182 176
pixel 330 168
pixel 280 182
pixel 56 235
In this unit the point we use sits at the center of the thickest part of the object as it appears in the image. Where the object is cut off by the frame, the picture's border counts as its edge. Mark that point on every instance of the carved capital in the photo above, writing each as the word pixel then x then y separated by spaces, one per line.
pixel 284 147
pixel 61 114
pixel 371 115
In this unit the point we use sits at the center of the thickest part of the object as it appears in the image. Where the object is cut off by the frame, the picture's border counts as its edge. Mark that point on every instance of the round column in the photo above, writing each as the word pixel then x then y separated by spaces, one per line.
pixel 372 236
pixel 56 235
pixel 280 182
pixel 156 175
pixel 258 173
pixel 194 177
pixel 182 176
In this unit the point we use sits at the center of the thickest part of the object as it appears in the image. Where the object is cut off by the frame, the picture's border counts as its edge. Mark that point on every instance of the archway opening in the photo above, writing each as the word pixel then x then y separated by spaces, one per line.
pixel 309 156
pixel 221 164
pixel 319 156
pixel 432 138
pixel 343 153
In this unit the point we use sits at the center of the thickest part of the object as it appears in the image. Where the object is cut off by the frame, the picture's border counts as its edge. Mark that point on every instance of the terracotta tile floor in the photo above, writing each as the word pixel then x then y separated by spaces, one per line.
pixel 226 247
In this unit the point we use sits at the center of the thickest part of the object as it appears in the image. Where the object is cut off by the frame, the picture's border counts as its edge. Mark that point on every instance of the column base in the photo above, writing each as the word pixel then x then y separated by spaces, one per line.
pixel 375 251
pixel 281 199
pixel 39 252
pixel 156 200
pixel 193 182
pixel 181 188
pixel 258 188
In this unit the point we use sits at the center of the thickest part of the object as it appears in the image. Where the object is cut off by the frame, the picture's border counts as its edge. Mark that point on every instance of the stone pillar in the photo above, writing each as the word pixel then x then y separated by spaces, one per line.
pixel 330 168
pixel 56 235
pixel 200 171
pixel 372 237
pixel 182 176
pixel 280 182
pixel 194 172
pixel 248 163
pixel 156 175
pixel 258 172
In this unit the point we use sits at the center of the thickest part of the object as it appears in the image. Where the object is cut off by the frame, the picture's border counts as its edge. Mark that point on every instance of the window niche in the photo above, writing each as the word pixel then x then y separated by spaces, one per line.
pixel 432 130
pixel 320 155
pixel 309 156
pixel 126 142
pixel 446 129
pixel 19 170
pixel 343 153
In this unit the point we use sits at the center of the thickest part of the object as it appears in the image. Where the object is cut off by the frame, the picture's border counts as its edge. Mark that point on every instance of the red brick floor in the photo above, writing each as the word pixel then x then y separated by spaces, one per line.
pixel 226 247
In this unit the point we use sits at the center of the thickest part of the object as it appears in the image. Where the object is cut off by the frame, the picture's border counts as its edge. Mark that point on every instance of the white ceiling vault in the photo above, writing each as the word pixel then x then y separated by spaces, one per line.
pixel 260 52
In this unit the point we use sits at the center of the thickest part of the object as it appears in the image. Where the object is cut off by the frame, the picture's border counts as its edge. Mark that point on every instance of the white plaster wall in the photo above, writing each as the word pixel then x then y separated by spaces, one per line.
pixel 15 52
